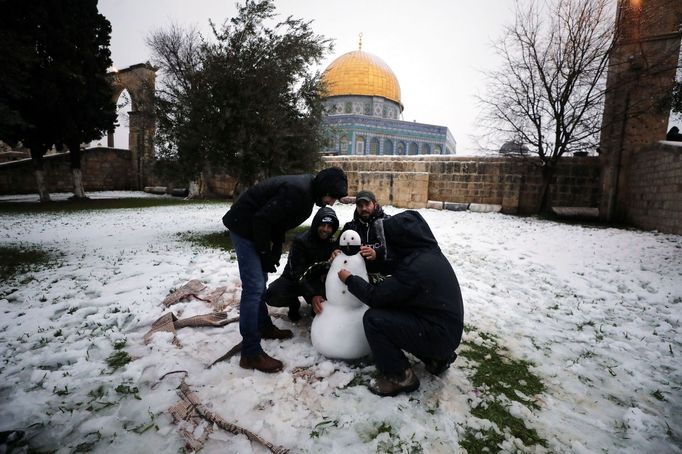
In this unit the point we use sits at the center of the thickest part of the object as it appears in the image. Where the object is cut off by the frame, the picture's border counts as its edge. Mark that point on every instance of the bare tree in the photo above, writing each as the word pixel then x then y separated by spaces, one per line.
pixel 549 92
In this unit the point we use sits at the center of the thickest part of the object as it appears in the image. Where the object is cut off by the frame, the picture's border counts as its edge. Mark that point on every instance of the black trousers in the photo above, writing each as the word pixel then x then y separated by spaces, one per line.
pixel 283 292
pixel 389 332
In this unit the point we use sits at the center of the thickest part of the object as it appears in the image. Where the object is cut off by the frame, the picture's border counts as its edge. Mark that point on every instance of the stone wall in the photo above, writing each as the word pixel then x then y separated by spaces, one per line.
pixel 642 68
pixel 655 192
pixel 515 184
pixel 104 169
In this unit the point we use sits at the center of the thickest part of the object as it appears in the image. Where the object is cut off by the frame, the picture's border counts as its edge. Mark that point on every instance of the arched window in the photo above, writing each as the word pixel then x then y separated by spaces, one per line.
pixel 388 147
pixel 426 148
pixel 374 146
pixel 343 144
pixel 360 145
pixel 401 148
pixel 413 149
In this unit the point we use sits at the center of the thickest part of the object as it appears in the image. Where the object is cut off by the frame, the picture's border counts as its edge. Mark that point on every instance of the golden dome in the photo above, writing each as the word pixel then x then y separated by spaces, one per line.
pixel 361 73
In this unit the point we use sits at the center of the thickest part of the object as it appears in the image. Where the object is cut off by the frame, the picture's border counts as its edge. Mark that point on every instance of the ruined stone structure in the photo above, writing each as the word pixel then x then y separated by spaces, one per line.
pixel 641 73
pixel 104 169
pixel 140 81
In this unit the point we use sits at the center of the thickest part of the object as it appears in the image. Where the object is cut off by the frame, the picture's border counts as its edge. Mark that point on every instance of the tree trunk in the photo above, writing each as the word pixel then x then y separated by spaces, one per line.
pixel 37 153
pixel 75 158
pixel 197 188
pixel 78 191
pixel 545 202
pixel 42 188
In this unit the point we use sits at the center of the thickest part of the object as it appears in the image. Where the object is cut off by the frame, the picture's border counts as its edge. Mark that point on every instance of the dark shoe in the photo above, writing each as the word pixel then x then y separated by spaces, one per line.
pixel 388 386
pixel 294 314
pixel 272 332
pixel 262 362
pixel 438 366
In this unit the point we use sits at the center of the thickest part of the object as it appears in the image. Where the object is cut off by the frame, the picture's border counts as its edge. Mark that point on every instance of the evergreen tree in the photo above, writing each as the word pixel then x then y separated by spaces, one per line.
pixel 55 92
pixel 248 102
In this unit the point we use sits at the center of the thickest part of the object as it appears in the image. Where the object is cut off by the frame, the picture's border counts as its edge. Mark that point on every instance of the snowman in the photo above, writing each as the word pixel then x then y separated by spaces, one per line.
pixel 338 332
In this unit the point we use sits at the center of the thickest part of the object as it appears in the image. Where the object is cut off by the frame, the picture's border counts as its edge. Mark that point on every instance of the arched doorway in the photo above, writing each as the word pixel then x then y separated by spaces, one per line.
pixel 140 82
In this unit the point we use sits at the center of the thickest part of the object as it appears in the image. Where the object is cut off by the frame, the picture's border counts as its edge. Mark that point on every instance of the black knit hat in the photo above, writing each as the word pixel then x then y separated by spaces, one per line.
pixel 330 181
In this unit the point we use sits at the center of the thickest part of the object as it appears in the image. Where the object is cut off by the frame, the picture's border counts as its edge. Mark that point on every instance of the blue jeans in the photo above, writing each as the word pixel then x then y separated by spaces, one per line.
pixel 253 312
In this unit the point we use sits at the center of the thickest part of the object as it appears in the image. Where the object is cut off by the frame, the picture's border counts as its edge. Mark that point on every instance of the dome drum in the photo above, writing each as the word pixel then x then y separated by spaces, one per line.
pixel 374 106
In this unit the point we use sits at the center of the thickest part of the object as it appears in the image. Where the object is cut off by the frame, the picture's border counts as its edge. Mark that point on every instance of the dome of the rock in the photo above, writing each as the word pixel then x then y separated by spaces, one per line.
pixel 360 73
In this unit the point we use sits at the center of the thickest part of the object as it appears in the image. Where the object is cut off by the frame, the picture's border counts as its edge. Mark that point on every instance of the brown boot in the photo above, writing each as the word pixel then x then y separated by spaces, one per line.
pixel 262 362
pixel 391 386
pixel 272 332
pixel 438 366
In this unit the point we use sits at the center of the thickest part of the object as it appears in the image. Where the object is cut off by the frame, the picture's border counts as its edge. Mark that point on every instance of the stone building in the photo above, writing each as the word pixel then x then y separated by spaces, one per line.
pixel 364 112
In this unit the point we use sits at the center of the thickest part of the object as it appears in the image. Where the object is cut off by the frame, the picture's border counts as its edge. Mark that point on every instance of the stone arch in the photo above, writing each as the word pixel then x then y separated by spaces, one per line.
pixel 343 144
pixel 437 149
pixel 400 149
pixel 413 149
pixel 388 147
pixel 425 149
pixel 374 146
pixel 360 145
pixel 140 82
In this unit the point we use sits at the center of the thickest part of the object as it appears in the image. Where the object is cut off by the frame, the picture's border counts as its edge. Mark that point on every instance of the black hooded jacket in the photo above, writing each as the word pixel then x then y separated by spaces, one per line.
pixel 267 210
pixel 308 249
pixel 371 234
pixel 422 281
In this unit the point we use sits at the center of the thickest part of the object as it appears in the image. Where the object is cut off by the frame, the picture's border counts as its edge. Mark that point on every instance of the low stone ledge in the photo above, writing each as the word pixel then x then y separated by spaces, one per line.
pixel 452 206
pixel 434 204
pixel 155 189
pixel 576 212
pixel 484 208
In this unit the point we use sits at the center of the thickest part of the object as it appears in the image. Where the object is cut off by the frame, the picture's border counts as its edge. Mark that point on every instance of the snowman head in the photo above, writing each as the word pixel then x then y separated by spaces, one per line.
pixel 350 242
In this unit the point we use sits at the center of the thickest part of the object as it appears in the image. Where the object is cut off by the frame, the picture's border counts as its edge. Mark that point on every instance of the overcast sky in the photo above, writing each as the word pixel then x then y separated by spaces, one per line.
pixel 438 49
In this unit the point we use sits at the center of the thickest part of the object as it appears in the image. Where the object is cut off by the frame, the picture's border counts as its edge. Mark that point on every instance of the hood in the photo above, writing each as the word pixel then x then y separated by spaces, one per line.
pixel 405 233
pixel 317 220
pixel 331 181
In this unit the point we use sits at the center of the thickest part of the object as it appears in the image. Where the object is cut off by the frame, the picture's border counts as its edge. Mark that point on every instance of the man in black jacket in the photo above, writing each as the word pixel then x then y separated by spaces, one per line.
pixel 313 246
pixel 257 222
pixel 417 309
pixel 367 213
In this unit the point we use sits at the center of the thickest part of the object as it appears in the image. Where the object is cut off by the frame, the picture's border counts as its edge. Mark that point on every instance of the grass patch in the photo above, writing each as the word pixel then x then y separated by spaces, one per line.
pixel 100 204
pixel 118 359
pixel 389 441
pixel 497 413
pixel 23 258
pixel 214 240
pixel 221 240
pixel 484 441
pixel 502 375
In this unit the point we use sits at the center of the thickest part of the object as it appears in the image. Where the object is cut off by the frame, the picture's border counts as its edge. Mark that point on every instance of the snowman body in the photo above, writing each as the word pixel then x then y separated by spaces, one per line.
pixel 338 332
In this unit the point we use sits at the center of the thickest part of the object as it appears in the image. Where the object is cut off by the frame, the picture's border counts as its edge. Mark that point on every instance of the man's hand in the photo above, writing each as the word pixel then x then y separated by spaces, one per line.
pixel 368 253
pixel 344 274
pixel 276 253
pixel 267 263
pixel 317 304
pixel 334 254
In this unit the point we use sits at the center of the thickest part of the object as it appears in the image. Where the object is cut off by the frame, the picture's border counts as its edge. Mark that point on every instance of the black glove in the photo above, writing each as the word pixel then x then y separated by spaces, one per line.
pixel 266 262
pixel 276 253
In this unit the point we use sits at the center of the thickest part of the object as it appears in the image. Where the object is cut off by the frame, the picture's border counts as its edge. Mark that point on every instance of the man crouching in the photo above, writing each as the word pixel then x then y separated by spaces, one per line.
pixel 418 308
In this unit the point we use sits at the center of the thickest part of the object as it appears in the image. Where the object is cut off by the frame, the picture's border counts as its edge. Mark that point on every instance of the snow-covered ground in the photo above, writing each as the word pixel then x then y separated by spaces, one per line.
pixel 596 310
